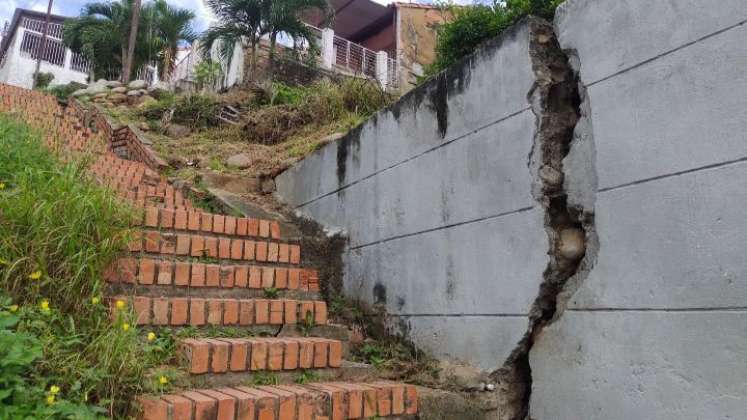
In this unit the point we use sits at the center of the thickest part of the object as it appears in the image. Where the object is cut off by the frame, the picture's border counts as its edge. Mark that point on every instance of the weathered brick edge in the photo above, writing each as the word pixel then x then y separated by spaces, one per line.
pixel 125 141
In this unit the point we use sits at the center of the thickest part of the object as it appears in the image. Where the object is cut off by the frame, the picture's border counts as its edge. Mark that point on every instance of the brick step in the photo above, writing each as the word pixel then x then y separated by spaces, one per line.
pixel 211 246
pixel 227 312
pixel 196 221
pixel 317 401
pixel 157 291
pixel 260 354
pixel 183 274
pixel 347 372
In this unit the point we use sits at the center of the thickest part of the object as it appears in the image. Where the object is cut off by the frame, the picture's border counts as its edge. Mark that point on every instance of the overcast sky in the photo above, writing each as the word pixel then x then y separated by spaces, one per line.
pixel 72 8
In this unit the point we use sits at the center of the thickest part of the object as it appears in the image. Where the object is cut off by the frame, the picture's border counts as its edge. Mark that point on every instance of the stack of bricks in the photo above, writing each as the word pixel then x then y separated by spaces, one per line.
pixel 187 268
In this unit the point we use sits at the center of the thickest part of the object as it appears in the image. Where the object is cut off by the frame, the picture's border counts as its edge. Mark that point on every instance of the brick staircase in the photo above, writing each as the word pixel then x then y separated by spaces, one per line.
pixel 186 267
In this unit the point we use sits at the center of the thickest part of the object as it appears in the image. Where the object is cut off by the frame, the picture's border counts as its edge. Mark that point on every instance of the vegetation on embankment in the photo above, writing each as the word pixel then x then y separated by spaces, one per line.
pixel 61 355
pixel 473 25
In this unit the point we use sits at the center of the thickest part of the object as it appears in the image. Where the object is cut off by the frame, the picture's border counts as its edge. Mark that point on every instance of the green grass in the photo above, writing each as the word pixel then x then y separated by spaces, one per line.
pixel 58 233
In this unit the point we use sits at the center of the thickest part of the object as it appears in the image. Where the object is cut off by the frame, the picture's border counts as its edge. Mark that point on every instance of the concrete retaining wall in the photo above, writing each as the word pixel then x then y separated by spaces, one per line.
pixel 435 196
pixel 438 196
pixel 657 330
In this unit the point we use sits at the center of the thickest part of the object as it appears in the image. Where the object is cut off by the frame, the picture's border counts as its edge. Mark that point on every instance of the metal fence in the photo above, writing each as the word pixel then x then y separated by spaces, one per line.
pixel 55 49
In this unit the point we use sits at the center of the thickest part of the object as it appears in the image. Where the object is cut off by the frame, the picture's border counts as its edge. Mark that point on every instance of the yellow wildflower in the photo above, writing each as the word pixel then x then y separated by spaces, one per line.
pixel 95 300
pixel 36 275
pixel 13 308
pixel 151 336
pixel 50 399
pixel 54 389
pixel 163 380
pixel 125 326
pixel 2 185
pixel 44 305
pixel 121 304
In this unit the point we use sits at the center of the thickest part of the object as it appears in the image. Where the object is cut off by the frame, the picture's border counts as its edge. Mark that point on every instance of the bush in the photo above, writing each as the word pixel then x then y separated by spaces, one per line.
pixel 64 91
pixel 43 80
pixel 473 25
pixel 58 233
pixel 196 111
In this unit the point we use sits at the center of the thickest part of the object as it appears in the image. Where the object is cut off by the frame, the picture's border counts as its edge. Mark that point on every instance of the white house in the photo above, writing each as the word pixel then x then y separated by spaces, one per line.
pixel 21 39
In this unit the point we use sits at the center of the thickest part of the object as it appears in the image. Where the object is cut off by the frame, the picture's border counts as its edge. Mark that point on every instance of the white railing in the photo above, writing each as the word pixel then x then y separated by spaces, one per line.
pixel 55 52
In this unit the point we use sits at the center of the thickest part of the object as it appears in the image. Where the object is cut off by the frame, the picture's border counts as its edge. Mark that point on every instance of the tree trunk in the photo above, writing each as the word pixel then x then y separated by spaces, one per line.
pixel 132 41
pixel 253 67
pixel 271 58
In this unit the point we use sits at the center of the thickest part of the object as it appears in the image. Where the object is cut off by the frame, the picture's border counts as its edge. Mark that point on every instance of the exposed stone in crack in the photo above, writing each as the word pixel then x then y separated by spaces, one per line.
pixel 560 188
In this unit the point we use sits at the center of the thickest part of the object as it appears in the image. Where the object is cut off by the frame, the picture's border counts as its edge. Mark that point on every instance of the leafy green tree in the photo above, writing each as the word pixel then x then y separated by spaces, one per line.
pixel 101 32
pixel 247 21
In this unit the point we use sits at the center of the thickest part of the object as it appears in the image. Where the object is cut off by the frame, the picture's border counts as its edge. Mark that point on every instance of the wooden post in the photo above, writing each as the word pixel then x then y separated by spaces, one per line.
pixel 42 51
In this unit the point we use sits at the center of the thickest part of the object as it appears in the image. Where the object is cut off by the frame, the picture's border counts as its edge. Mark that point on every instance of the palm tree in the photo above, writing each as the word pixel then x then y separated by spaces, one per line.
pixel 249 20
pixel 132 39
pixel 101 30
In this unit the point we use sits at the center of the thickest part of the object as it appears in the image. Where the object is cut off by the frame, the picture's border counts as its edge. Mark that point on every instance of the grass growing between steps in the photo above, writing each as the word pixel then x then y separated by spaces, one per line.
pixel 61 356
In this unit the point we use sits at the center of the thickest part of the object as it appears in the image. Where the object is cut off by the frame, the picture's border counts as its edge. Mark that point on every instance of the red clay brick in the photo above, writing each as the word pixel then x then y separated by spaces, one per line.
pixel 290 357
pixel 335 353
pixel 226 404
pixel 272 252
pixel 281 278
pixel 241 276
pixel 245 403
pixel 411 399
pixel 321 352
pixel 161 311
pixel 264 402
pixel 136 242
pixel 219 222
pixel 306 310
pixel 336 398
pixel 246 312
pixel 286 402
pixel 179 311
pixel 291 311
pixel 383 400
pixel 255 277
pixel 215 311
pixel 295 254
pixel 264 228
pixel 193 222
pixel 226 276
pixel 224 248
pixel 252 227
pixel 212 276
pixel 306 354
pixel 237 249
pixel 167 218
pixel 258 360
pixel 206 224
pixel 198 246
pixel 320 313
pixel 147 271
pixel 206 408
pixel 268 276
pixel 198 275
pixel 241 226
pixel 196 312
pixel 230 225
pixel 164 272
pixel 168 244
pixel 261 253
pixel 153 408
pixel 151 216
pixel 142 310
pixel 181 274
pixel 249 250
pixel 152 241
pixel 284 253
pixel 211 245
pixel 239 353
pixel 182 244
pixel 261 311
pixel 218 355
pixel 275 355
pixel 294 275
pixel 230 312
pixel 180 219
pixel 181 408
pixel 276 312
pixel 275 230
pixel 197 353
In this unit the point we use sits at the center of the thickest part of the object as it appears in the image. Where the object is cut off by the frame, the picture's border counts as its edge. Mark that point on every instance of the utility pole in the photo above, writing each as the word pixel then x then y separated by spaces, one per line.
pixel 42 51
pixel 132 41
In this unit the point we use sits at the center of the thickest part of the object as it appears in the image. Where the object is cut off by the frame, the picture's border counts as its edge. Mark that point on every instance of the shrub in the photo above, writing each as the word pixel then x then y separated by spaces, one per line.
pixel 473 25
pixel 196 111
pixel 58 233
pixel 43 80
pixel 64 91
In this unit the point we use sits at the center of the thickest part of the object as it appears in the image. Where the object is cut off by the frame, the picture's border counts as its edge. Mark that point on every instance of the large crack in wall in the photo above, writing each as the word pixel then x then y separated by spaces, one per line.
pixel 561 110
